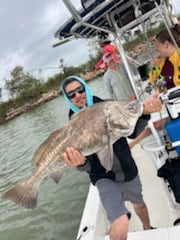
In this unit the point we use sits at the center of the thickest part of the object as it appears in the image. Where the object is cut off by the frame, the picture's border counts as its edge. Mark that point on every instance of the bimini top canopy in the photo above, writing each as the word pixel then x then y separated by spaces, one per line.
pixel 99 18
pixel 103 14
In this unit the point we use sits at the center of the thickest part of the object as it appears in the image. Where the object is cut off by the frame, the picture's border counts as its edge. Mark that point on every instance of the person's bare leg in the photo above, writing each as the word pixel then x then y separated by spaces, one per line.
pixel 145 133
pixel 142 212
pixel 119 228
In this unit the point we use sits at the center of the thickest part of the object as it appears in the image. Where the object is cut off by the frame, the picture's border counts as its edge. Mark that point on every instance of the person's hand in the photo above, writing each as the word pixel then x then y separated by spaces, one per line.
pixel 151 105
pixel 73 158
pixel 132 143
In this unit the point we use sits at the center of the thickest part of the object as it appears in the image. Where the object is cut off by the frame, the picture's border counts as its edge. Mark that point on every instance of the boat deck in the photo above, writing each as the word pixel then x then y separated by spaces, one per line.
pixel 161 210
pixel 171 233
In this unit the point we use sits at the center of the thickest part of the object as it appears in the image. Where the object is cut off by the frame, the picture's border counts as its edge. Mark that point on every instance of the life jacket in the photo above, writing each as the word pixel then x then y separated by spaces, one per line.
pixel 156 73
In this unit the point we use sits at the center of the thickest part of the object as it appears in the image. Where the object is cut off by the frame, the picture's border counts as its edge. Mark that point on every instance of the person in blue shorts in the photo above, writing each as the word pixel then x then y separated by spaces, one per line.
pixel 122 182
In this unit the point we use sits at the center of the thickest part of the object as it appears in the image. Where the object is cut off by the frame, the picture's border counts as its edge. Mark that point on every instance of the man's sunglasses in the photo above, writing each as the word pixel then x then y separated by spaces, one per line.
pixel 72 94
pixel 108 55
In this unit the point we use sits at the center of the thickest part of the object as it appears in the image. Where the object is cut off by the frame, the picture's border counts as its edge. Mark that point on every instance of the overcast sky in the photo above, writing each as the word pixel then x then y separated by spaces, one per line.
pixel 27 30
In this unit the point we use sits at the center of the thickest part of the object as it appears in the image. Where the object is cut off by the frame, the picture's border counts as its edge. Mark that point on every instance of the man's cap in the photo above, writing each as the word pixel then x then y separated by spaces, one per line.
pixel 109 53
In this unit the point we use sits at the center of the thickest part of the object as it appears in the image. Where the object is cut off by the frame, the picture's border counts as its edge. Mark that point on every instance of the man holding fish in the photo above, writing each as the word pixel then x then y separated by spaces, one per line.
pixel 112 170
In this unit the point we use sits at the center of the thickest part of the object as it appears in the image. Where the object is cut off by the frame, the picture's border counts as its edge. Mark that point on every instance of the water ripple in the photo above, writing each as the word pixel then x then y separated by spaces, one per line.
pixel 59 205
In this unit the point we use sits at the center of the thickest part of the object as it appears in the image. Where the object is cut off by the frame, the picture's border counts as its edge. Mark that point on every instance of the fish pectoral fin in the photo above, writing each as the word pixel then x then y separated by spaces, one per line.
pixel 57 175
pixel 110 153
pixel 23 193
pixel 109 161
pixel 106 155
pixel 105 160
pixel 119 126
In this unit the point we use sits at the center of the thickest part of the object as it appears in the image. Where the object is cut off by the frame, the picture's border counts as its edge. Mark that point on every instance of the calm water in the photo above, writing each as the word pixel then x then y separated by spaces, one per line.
pixel 60 206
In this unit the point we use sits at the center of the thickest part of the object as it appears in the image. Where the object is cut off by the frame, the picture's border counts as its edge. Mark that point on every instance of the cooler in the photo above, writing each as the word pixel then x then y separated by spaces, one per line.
pixel 173 131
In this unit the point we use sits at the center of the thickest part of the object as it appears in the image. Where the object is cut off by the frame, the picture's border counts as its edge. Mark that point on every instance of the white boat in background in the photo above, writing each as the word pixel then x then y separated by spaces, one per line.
pixel 99 18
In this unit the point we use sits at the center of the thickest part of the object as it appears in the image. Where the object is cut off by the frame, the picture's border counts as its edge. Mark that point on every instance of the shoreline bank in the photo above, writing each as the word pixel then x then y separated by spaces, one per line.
pixel 45 97
pixel 88 76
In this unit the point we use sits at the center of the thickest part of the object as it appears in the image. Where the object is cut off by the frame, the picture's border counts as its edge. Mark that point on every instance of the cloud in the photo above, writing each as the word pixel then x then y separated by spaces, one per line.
pixel 176 6
pixel 27 33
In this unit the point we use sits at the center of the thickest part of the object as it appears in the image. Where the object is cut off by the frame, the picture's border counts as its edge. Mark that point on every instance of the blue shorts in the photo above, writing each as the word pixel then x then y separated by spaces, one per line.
pixel 114 194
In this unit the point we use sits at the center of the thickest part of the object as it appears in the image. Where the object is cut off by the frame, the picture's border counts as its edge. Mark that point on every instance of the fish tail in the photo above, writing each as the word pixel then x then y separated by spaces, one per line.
pixel 23 193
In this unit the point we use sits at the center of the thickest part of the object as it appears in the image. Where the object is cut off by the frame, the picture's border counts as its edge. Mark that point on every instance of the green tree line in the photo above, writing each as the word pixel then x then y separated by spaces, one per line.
pixel 23 87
